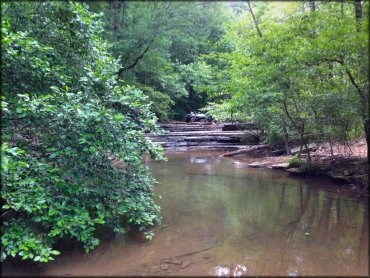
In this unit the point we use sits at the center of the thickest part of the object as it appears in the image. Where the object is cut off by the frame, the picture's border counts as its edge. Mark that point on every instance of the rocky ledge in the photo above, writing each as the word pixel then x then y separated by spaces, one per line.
pixel 184 136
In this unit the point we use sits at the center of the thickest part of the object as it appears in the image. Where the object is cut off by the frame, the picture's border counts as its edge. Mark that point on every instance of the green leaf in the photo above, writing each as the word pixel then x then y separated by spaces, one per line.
pixel 54 154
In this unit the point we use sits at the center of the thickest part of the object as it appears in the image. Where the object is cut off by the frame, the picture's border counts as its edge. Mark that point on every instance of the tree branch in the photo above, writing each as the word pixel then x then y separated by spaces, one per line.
pixel 137 59
pixel 360 92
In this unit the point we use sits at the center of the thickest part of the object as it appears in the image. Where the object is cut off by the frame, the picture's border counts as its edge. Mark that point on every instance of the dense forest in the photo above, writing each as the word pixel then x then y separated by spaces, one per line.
pixel 83 82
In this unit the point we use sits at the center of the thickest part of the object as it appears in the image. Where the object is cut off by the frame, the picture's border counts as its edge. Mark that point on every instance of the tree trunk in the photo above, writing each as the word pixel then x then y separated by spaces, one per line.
pixel 331 70
pixel 309 160
pixel 301 133
pixel 286 140
pixel 312 5
pixel 331 151
pixel 254 19
pixel 117 5
pixel 367 136
pixel 358 14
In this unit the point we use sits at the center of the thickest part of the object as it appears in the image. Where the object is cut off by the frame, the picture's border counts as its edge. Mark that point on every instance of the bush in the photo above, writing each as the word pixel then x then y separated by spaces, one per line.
pixel 64 115
pixel 274 136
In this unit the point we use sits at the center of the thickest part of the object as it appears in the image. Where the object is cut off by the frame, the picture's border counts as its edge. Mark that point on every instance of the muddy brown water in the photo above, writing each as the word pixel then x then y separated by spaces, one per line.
pixel 222 218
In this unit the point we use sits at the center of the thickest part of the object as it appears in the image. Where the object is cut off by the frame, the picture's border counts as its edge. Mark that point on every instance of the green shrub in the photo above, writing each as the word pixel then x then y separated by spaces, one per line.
pixel 296 162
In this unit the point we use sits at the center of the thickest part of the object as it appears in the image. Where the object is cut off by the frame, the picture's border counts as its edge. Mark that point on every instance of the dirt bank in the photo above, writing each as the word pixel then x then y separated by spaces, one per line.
pixel 345 164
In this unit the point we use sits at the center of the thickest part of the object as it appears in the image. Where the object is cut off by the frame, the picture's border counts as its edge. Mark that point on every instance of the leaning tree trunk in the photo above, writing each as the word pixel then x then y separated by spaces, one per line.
pixel 254 18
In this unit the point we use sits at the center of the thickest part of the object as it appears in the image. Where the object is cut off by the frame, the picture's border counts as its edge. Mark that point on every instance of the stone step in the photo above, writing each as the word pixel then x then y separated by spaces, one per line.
pixel 195 128
pixel 200 133
pixel 231 139
pixel 191 129
pixel 194 145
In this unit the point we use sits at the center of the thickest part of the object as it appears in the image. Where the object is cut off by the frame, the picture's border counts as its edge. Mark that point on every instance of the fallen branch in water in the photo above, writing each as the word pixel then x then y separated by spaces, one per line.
pixel 246 150
pixel 215 245
pixel 198 251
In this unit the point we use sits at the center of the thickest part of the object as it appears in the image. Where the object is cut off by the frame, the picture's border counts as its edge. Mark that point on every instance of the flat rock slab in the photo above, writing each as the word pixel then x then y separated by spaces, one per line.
pixel 280 165
pixel 311 147
pixel 238 126
pixel 185 264
pixel 256 165
pixel 176 261
pixel 164 266
pixel 341 178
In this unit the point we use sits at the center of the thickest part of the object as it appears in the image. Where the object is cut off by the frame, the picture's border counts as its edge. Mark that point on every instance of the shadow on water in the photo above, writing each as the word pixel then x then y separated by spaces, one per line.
pixel 225 219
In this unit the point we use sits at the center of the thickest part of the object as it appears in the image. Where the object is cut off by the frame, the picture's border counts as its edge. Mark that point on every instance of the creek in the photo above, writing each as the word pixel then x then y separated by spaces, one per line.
pixel 222 218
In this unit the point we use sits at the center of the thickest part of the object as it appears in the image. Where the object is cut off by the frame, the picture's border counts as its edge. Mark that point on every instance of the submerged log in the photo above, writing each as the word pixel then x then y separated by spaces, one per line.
pixel 246 150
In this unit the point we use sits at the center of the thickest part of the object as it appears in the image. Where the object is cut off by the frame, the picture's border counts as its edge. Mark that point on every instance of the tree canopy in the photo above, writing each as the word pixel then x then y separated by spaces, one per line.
pixel 299 68
pixel 160 46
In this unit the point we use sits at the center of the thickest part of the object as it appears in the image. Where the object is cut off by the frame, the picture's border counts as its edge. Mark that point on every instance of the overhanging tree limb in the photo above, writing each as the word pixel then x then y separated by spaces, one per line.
pixel 137 59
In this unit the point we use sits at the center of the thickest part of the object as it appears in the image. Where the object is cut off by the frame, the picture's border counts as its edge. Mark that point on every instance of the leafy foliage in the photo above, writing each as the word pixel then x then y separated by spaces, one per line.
pixel 72 133
pixel 160 46
pixel 307 71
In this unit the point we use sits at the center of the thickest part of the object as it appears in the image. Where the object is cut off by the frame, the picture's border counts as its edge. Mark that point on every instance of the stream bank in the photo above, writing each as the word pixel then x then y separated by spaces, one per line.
pixel 346 164
pixel 348 167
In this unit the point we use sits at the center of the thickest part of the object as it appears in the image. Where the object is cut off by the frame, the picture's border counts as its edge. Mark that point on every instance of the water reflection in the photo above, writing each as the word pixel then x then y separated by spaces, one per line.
pixel 282 226
pixel 223 219
pixel 225 271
